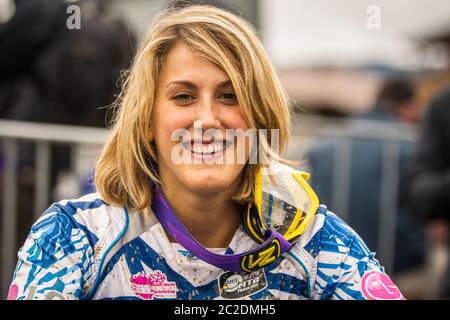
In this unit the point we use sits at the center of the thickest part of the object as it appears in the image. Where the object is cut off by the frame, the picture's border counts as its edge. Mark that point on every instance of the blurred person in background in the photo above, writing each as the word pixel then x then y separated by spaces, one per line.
pixel 428 181
pixel 394 104
pixel 51 74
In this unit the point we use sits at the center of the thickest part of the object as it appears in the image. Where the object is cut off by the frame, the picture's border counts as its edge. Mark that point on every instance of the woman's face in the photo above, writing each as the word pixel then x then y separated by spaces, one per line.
pixel 193 94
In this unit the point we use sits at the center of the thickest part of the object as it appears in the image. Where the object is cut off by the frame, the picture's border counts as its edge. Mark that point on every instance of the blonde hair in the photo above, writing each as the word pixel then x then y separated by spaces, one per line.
pixel 124 170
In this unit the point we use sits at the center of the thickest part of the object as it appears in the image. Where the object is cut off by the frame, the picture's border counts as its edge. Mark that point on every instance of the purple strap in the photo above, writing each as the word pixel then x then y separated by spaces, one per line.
pixel 229 262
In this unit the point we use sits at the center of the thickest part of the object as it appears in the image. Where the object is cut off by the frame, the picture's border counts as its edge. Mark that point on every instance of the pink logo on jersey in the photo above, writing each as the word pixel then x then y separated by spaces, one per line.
pixel 154 285
pixel 378 286
pixel 13 292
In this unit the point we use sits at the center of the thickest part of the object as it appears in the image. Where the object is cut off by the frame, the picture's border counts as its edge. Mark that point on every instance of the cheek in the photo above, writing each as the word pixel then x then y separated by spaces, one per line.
pixel 168 120
pixel 233 119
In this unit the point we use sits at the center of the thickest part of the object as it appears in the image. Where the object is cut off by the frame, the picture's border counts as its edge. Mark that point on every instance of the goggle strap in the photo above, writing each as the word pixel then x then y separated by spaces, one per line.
pixel 256 258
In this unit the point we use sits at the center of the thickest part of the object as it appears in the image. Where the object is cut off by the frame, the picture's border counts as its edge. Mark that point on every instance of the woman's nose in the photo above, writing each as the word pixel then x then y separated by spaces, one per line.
pixel 207 113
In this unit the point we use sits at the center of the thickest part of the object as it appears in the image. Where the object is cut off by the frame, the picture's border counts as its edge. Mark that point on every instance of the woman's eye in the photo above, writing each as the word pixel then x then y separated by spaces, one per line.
pixel 183 98
pixel 228 98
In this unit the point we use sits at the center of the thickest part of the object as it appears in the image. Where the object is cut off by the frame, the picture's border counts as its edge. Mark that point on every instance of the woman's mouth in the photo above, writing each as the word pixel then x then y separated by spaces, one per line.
pixel 207 150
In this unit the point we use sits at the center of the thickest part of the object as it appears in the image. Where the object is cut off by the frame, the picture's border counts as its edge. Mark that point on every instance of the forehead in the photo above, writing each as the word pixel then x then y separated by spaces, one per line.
pixel 182 63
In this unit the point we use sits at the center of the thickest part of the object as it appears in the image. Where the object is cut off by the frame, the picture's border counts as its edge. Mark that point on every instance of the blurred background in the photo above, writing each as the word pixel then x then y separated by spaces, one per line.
pixel 369 81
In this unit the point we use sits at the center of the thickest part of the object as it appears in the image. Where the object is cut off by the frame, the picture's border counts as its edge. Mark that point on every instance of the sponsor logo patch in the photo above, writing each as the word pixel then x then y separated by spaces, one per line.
pixel 153 285
pixel 235 285
pixel 376 285
pixel 13 292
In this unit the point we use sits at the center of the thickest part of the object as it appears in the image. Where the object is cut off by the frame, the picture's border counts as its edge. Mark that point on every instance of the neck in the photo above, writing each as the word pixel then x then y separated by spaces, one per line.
pixel 212 219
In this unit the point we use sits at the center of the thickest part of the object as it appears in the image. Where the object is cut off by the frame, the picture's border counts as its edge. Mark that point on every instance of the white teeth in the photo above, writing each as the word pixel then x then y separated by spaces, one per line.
pixel 218 147
pixel 210 148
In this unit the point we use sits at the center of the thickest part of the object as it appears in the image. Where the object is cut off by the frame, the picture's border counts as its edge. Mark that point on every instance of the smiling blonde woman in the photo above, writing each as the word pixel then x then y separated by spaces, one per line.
pixel 206 229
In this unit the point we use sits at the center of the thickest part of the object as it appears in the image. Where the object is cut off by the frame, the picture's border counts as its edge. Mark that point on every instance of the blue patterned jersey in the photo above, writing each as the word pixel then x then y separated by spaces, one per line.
pixel 87 249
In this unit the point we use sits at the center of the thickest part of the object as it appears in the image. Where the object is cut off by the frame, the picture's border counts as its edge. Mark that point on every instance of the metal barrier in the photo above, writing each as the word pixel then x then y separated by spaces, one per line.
pixel 43 135
pixel 304 131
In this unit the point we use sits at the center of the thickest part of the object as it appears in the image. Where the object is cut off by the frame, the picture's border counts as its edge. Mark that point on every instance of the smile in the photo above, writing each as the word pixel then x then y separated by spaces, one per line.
pixel 207 150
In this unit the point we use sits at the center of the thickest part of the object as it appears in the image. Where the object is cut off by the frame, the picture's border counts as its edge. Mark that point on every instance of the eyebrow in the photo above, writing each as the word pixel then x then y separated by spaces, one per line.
pixel 193 86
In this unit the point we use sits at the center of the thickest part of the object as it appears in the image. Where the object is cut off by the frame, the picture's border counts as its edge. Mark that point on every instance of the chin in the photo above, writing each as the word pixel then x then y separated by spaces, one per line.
pixel 208 182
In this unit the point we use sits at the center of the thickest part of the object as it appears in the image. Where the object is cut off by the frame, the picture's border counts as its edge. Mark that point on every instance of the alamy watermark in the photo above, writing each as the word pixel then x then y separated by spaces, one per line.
pixel 73 21
pixel 235 146
pixel 374 19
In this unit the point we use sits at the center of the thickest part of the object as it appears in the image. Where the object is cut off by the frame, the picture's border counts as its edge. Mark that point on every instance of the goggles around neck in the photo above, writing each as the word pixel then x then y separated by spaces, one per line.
pixel 275 220
pixel 283 202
